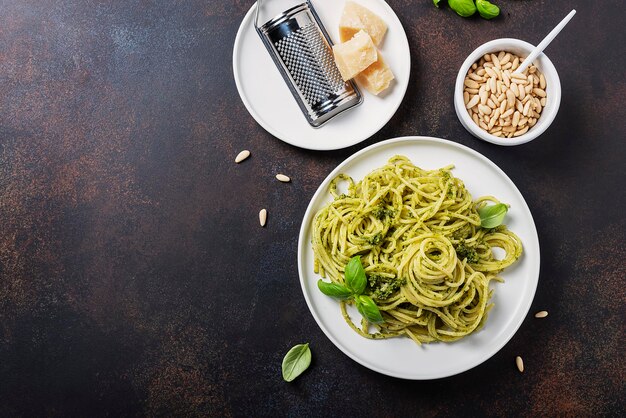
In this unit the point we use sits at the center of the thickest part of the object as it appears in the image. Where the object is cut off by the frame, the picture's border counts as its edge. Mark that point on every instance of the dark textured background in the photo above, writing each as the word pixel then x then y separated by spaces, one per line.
pixel 134 278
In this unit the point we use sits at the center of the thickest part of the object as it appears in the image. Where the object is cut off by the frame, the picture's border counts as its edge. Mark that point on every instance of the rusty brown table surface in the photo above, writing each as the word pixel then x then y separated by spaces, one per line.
pixel 135 279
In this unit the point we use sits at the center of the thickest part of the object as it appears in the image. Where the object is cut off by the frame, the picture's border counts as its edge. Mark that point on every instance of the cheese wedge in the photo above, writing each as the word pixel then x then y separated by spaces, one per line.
pixel 355 55
pixel 377 77
pixel 355 18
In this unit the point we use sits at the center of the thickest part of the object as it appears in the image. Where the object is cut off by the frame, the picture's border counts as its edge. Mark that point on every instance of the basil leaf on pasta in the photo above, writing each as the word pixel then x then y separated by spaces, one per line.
pixel 492 216
pixel 355 275
pixel 333 289
pixel 366 307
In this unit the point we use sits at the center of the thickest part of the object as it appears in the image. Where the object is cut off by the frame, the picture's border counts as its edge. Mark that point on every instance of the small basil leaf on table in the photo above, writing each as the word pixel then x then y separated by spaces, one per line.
pixel 296 361
pixel 355 275
pixel 492 216
pixel 366 307
pixel 486 9
pixel 463 8
pixel 333 289
pixel 436 2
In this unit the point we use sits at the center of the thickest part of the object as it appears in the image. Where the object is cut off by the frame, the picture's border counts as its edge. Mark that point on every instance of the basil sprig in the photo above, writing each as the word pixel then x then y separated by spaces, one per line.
pixel 356 281
pixel 467 8
pixel 492 216
pixel 296 361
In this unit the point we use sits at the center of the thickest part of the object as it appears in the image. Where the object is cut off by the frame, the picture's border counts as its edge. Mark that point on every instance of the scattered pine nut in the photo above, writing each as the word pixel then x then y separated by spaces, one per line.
pixel 283 178
pixel 541 314
pixel 520 364
pixel 242 156
pixel 263 217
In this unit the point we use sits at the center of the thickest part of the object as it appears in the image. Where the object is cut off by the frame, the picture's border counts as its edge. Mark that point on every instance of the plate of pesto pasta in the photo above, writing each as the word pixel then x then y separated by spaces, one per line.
pixel 418 258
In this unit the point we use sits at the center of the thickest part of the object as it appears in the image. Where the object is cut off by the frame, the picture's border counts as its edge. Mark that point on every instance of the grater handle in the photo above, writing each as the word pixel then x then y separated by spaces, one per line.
pixel 259 5
pixel 256 14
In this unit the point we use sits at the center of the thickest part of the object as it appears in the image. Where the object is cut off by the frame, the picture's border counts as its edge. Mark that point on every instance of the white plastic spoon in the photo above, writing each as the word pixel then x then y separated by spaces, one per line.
pixel 543 44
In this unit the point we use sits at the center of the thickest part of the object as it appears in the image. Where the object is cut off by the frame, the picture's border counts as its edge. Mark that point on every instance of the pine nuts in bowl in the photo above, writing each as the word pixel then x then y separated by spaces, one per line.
pixel 500 107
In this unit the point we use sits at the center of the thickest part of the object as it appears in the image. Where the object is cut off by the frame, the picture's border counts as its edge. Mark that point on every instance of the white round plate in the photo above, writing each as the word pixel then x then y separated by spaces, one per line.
pixel 269 101
pixel 401 357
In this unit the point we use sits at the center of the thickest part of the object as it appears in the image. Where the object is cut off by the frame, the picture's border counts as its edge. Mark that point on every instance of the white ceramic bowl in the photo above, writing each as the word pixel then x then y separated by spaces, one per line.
pixel 553 91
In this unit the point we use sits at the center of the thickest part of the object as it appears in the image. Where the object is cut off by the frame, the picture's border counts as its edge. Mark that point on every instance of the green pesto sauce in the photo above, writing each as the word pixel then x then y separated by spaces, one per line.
pixel 464 251
pixel 381 287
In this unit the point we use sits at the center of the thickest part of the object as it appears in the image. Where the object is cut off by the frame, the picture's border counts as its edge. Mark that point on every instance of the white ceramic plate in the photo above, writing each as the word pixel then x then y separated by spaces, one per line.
pixel 401 357
pixel 269 101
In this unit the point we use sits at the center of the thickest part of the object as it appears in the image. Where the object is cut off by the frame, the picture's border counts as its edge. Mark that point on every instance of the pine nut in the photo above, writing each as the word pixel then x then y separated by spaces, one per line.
pixel 542 82
pixel 521 132
pixel 486 110
pixel 283 178
pixel 473 101
pixel 491 72
pixel 242 156
pixel 539 92
pixel 510 98
pixel 471 83
pixel 516 117
pixel 503 106
pixel 263 217
pixel 495 61
pixel 541 314
pixel 506 114
pixel 519 363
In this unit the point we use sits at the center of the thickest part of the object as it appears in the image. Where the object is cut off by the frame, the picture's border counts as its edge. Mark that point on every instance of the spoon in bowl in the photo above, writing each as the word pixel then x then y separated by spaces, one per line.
pixel 544 43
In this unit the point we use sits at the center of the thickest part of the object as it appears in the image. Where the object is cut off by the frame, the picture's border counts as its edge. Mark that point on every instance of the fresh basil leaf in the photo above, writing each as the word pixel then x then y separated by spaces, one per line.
pixel 296 361
pixel 492 216
pixel 486 9
pixel 355 275
pixel 463 8
pixel 333 289
pixel 436 2
pixel 366 307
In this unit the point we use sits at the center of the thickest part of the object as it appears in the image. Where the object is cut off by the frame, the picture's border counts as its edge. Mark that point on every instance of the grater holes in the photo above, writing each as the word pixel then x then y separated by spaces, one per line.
pixel 310 64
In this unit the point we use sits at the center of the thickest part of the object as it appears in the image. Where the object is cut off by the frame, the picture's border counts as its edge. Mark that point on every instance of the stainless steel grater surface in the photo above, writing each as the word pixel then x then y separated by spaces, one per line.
pixel 301 49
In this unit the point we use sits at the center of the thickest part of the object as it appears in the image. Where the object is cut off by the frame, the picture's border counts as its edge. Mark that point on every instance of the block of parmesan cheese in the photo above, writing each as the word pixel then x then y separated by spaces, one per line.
pixel 376 77
pixel 355 55
pixel 355 18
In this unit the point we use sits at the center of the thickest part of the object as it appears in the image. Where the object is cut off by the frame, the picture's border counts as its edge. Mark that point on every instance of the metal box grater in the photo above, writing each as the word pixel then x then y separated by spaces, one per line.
pixel 301 49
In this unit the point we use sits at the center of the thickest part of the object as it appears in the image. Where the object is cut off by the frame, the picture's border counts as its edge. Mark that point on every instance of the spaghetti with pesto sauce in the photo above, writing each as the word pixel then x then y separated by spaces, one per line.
pixel 427 259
